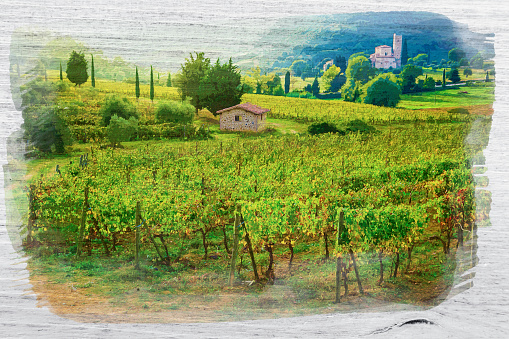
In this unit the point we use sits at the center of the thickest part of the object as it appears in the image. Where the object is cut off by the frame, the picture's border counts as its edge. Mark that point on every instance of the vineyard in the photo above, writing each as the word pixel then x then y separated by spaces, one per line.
pixel 185 204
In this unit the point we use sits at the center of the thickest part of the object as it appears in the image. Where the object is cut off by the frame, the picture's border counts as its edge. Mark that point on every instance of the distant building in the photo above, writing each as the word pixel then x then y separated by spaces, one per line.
pixel 387 57
pixel 243 117
pixel 327 65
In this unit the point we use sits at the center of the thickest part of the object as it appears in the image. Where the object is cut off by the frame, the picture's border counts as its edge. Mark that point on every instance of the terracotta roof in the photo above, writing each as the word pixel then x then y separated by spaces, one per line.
pixel 383 46
pixel 247 107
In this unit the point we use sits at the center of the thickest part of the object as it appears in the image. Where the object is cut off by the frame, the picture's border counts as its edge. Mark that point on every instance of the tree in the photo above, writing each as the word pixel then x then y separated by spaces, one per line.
pixel 151 84
pixel 337 83
pixel 467 72
pixel 351 90
pixel 272 84
pixel 137 85
pixel 409 76
pixel 188 80
pixel 443 79
pixel 454 76
pixel 487 77
pixel 404 53
pixel 419 60
pixel 220 87
pixel 381 91
pixel 120 129
pixel 477 61
pixel 61 75
pixel 77 68
pixel 456 54
pixel 119 106
pixel 359 69
pixel 329 76
pixel 47 131
pixel 464 62
pixel 287 82
pixel 298 67
pixel 315 88
pixel 429 84
pixel 92 71
pixel 340 62
pixel 168 81
pixel 175 112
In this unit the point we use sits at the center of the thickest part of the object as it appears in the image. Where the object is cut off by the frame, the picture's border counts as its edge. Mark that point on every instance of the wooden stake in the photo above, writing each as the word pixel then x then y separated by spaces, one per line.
pixel 83 223
pixel 137 235
pixel 235 251
pixel 339 260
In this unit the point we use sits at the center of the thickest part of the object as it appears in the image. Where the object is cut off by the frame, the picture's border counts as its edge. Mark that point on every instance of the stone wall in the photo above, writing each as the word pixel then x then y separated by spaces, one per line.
pixel 249 121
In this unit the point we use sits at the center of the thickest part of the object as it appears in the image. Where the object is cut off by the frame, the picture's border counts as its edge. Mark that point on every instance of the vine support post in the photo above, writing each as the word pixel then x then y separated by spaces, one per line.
pixel 251 252
pixel 235 250
pixel 83 223
pixel 339 260
pixel 31 215
pixel 137 235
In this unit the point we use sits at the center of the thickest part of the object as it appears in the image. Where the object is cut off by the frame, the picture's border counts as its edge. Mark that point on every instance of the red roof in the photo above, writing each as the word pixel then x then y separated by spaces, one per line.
pixel 247 107
pixel 383 46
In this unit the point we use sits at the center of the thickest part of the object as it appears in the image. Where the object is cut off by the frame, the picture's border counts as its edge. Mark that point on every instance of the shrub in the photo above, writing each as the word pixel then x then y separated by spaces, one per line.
pixel 176 112
pixel 360 126
pixel 382 92
pixel 115 105
pixel 46 130
pixel 120 129
pixel 460 110
pixel 62 86
pixel 323 127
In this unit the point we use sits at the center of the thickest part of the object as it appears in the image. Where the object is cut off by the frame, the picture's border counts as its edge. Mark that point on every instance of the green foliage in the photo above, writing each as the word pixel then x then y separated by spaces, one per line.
pixel 404 53
pixel 477 61
pixel 61 75
pixel 322 127
pixel 120 130
pixel 315 88
pixel 359 69
pixel 337 83
pixel 220 87
pixel 443 79
pixel 92 71
pixel 46 130
pixel 454 76
pixel 77 68
pixel 168 81
pixel 351 90
pixel 175 112
pixel 137 85
pixel 418 60
pixel 151 84
pixel 298 67
pixel 409 76
pixel 464 62
pixel 61 86
pixel 359 126
pixel 188 80
pixel 456 54
pixel 38 92
pixel 429 83
pixel 381 91
pixel 119 106
pixel 287 82
pixel 467 72
pixel 460 110
pixel 328 77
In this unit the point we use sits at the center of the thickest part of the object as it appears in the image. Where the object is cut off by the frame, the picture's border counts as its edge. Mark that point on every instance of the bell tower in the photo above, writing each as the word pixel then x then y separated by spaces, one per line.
pixel 397 45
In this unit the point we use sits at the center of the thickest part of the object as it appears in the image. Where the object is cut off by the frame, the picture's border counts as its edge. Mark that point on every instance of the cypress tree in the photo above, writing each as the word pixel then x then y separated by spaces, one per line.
pixel 92 71
pixel 61 75
pixel 287 82
pixel 487 77
pixel 137 85
pixel 168 82
pixel 404 53
pixel 151 84
pixel 443 79
pixel 315 87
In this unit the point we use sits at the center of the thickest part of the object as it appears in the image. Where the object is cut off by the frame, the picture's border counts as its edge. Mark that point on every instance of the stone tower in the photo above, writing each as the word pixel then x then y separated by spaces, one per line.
pixel 397 45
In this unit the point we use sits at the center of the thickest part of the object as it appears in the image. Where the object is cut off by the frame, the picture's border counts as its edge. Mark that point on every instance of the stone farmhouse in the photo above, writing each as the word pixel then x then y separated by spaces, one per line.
pixel 387 57
pixel 243 117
